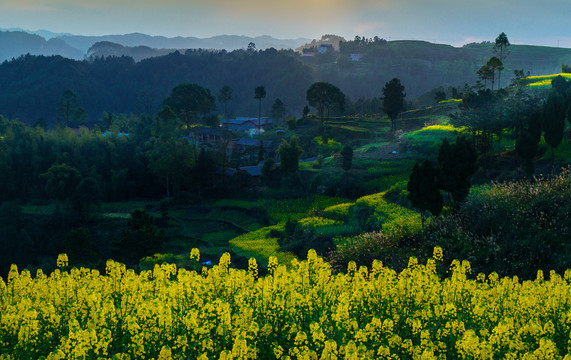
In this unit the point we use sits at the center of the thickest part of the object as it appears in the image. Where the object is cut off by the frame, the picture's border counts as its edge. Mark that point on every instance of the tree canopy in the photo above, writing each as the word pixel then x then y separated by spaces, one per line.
pixel 393 100
pixel 190 101
pixel 325 97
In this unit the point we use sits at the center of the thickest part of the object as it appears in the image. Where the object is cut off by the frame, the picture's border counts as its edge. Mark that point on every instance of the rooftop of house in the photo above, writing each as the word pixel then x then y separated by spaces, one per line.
pixel 243 120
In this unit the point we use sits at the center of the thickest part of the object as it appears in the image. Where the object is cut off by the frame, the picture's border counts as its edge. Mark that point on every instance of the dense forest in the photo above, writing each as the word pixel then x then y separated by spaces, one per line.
pixel 120 85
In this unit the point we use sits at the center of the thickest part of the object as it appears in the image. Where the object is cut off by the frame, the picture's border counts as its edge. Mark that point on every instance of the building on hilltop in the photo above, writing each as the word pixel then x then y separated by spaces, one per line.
pixel 325 48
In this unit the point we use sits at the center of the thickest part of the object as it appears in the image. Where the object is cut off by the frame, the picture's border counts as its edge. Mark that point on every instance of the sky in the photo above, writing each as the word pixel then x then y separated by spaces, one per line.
pixel 534 22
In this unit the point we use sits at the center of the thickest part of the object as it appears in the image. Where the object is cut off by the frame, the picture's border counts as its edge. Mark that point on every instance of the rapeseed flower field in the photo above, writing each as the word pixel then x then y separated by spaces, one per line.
pixel 299 311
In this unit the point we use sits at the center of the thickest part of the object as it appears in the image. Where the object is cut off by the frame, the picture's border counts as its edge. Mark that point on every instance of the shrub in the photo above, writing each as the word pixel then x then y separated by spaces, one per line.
pixel 513 228
pixel 364 248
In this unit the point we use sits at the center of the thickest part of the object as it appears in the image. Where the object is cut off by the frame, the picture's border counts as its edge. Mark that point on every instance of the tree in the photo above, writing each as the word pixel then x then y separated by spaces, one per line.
pixel 486 73
pixel 325 97
pixel 501 45
pixel 204 169
pixel 347 154
pixel 141 237
pixel 170 155
pixel 87 193
pixel 251 47
pixel 493 65
pixel 393 100
pixel 69 110
pixel 456 162
pixel 261 151
pixel 562 86
pixel 61 181
pixel 189 102
pixel 278 110
pixel 224 96
pixel 289 153
pixel 526 147
pixel 259 94
pixel 553 120
pixel 423 189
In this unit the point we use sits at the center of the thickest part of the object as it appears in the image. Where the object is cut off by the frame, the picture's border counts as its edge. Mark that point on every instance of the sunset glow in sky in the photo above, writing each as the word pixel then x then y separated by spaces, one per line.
pixel 544 22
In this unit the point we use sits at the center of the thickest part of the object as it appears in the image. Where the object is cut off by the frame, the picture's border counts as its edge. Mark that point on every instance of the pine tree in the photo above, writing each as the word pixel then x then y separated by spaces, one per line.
pixel 456 163
pixel 423 190
pixel 553 120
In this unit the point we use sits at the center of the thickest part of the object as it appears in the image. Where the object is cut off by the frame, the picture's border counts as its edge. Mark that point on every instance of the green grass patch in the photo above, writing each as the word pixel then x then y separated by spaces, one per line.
pixel 256 244
pixel 318 221
pixel 562 152
pixel 387 168
pixel 351 128
pixel 236 203
pixel 428 139
pixel 338 212
pixel 394 218
pixel 296 209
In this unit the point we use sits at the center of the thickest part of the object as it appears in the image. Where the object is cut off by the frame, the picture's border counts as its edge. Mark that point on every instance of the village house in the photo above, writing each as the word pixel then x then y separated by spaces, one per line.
pixel 245 124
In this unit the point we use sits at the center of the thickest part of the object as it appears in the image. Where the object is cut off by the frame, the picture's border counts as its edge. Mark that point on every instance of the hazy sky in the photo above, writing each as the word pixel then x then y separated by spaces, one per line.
pixel 543 22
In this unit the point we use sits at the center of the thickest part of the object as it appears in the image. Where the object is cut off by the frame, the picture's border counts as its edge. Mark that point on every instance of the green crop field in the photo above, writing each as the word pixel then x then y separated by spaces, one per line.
pixel 543 81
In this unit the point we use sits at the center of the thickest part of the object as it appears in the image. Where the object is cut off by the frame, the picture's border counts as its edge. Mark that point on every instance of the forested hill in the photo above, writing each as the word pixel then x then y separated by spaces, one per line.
pixel 422 66
pixel 15 43
pixel 31 86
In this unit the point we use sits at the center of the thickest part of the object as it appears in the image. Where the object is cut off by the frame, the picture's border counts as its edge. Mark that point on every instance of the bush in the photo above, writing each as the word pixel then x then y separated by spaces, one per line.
pixel 327 147
pixel 300 239
pixel 364 248
pixel 513 228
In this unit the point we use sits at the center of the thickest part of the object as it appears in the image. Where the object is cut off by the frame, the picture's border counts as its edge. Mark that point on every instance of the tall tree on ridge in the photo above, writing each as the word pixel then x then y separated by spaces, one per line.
pixel 494 64
pixel 501 45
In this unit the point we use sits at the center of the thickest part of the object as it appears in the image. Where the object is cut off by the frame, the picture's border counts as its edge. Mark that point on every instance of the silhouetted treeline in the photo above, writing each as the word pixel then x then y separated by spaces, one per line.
pixel 31 86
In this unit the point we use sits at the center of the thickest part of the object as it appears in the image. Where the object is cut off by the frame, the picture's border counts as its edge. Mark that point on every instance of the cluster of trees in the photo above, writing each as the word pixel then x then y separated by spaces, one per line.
pixel 456 162
pixel 120 85
pixel 362 45
pixel 489 114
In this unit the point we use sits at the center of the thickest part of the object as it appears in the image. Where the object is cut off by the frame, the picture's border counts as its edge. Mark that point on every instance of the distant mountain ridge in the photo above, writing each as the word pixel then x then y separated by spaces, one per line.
pixel 106 48
pixel 220 42
pixel 16 42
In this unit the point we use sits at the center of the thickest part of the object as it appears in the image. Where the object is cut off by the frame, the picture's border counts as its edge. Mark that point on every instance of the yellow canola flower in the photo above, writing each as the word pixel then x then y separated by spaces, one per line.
pixel 195 254
pixel 301 312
